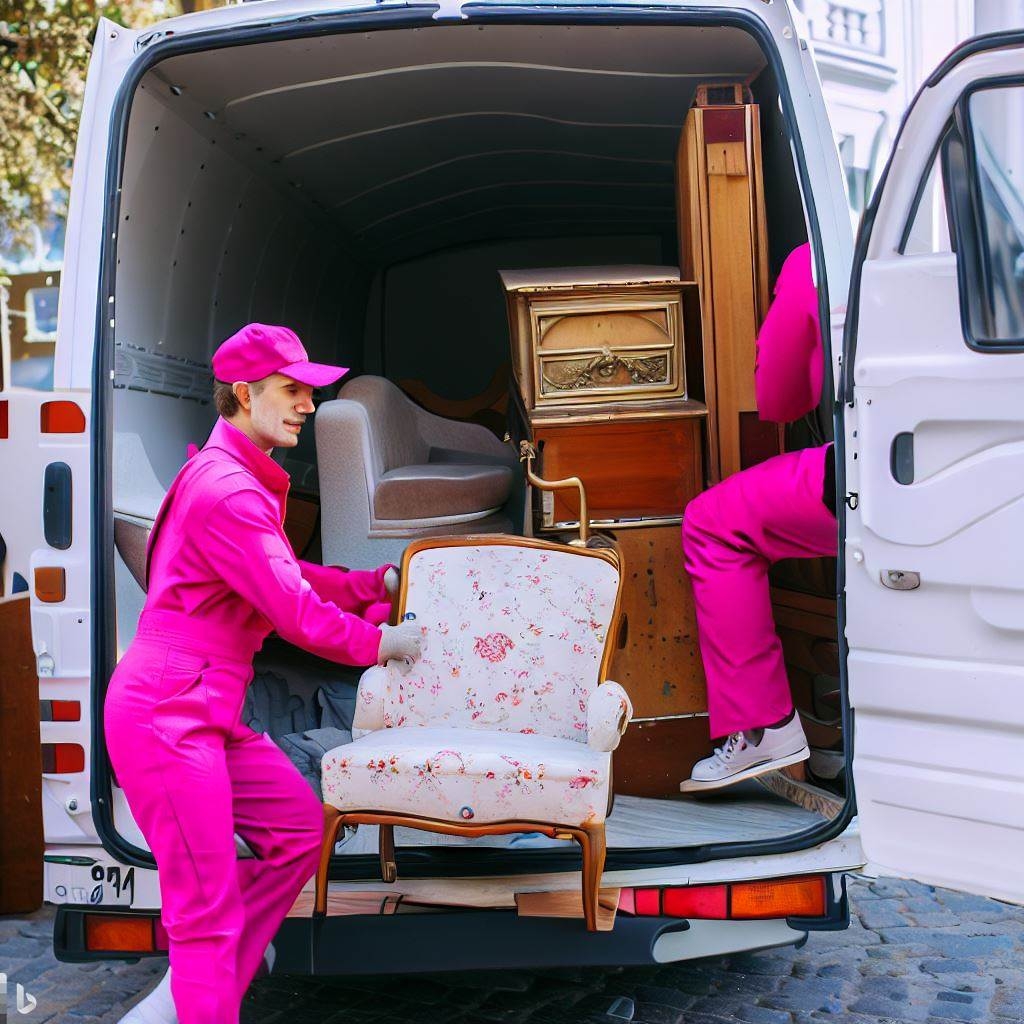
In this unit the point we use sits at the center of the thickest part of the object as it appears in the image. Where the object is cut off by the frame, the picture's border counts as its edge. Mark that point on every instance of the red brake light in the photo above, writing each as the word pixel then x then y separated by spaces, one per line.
pixel 63 758
pixel 61 418
pixel 710 902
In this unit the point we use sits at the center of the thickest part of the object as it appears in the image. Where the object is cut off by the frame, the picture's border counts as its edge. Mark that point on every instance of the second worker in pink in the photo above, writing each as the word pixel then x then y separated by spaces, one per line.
pixel 781 508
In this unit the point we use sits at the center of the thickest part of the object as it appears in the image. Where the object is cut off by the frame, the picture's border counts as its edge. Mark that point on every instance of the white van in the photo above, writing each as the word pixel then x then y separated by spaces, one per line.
pixel 291 161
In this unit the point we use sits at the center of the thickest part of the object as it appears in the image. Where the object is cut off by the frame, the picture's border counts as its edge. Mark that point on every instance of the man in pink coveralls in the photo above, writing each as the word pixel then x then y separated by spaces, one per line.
pixel 221 576
pixel 781 508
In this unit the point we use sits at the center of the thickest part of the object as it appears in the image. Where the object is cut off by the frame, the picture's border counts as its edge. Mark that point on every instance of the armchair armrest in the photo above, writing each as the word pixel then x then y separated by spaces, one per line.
pixel 608 713
pixel 370 697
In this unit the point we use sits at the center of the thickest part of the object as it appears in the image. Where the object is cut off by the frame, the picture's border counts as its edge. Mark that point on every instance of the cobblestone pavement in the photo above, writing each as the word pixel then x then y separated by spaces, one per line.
pixel 912 953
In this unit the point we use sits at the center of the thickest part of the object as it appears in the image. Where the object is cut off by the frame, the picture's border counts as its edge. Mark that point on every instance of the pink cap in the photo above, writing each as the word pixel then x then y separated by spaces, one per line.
pixel 258 350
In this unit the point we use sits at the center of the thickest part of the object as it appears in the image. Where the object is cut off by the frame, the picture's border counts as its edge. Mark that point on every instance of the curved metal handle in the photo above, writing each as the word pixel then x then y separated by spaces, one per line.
pixel 527 453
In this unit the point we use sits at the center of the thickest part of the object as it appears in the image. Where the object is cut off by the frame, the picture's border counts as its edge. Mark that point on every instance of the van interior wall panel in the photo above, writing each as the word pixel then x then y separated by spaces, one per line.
pixel 444 319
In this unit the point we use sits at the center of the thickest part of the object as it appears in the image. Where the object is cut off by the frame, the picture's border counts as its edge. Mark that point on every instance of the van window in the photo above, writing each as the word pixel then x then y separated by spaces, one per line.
pixel 997 147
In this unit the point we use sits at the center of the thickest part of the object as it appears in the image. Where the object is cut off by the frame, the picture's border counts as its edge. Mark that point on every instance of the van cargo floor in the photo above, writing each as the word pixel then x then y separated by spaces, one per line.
pixel 743 813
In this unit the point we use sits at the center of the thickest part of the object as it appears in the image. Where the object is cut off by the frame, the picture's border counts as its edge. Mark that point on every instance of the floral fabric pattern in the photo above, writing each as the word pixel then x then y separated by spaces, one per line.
pixel 514 638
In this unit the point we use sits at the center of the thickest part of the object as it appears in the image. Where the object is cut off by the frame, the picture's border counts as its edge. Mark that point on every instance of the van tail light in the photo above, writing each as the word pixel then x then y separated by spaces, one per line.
pixel 60 711
pixel 63 758
pixel 709 902
pixel 51 583
pixel 123 933
pixel 61 418
pixel 4 421
pixel 805 896
pixel 787 897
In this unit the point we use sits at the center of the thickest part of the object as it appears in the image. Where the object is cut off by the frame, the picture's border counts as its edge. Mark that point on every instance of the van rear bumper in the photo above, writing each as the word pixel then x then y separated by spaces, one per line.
pixel 410 943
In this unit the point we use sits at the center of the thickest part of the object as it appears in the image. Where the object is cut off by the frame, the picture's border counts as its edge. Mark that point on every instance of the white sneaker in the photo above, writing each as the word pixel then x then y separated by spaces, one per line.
pixel 738 759
pixel 158 1006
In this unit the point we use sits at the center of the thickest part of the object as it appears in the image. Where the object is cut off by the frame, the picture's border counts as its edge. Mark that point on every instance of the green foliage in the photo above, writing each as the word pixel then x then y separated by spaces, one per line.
pixel 44 52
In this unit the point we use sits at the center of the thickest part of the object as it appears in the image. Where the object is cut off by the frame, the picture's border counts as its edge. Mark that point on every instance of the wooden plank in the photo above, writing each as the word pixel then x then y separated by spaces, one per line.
pixel 340 904
pixel 723 246
pixel 569 903
pixel 660 665
pixel 803 794
pixel 21 766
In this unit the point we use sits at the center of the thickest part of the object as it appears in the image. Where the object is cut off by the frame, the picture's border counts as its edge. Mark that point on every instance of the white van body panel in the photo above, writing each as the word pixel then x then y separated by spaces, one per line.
pixel 61 631
pixel 112 54
pixel 937 672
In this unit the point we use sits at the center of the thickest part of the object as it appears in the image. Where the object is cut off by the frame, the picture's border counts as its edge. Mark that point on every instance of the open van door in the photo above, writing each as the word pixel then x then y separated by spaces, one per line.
pixel 934 439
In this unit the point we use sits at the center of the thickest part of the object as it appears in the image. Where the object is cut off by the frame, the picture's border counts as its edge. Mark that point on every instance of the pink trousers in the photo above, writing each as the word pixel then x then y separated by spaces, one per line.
pixel 732 533
pixel 193 775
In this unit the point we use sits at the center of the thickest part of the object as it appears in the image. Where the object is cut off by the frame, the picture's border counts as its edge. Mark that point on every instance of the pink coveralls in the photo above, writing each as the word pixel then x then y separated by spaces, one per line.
pixel 735 530
pixel 222 575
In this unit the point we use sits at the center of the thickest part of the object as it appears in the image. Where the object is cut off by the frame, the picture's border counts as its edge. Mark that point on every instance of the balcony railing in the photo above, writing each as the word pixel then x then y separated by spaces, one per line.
pixel 853 24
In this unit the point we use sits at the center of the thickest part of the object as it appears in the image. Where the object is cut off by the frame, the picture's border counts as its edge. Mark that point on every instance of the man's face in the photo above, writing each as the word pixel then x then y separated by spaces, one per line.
pixel 278 410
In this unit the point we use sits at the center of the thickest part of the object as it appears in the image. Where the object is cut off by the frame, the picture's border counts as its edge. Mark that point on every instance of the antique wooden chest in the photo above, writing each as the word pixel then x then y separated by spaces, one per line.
pixel 589 335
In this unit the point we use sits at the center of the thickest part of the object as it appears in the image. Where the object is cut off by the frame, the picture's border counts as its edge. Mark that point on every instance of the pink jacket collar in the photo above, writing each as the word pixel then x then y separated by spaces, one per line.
pixel 230 439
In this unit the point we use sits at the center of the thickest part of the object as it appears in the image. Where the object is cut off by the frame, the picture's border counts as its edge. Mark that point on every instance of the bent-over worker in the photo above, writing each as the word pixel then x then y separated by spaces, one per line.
pixel 222 575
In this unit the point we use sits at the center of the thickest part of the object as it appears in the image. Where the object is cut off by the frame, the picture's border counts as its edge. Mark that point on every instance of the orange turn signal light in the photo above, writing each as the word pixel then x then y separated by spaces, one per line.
pixel 51 583
pixel 785 897
pixel 805 896
pixel 116 933
pixel 61 417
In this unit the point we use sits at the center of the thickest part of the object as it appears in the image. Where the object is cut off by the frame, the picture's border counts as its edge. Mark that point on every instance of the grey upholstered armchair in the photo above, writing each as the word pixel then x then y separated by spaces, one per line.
pixel 391 472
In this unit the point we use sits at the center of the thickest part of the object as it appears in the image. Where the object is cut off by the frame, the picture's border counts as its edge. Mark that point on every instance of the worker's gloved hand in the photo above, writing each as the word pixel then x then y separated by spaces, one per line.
pixel 392 581
pixel 403 642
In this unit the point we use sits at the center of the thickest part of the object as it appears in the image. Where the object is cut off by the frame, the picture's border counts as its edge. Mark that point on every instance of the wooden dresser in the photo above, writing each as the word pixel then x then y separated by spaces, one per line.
pixel 599 358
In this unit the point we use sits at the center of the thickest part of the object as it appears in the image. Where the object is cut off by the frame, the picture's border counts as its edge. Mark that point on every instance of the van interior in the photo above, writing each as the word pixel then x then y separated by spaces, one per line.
pixel 368 190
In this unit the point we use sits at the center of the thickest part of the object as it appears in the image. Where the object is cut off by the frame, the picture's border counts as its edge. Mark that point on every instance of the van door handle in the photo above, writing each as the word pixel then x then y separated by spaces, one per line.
pixel 901 458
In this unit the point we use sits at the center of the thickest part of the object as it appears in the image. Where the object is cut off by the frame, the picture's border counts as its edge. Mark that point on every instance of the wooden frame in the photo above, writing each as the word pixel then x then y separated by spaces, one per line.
pixel 591 838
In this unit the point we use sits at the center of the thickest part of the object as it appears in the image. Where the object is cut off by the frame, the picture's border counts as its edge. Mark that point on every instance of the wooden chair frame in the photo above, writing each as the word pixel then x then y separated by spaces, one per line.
pixel 590 838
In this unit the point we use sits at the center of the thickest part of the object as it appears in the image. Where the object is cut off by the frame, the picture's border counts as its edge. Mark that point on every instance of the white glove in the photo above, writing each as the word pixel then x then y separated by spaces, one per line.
pixel 392 581
pixel 404 641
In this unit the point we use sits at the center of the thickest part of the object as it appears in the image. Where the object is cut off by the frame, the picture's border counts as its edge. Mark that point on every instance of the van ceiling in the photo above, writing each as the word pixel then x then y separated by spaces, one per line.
pixel 413 140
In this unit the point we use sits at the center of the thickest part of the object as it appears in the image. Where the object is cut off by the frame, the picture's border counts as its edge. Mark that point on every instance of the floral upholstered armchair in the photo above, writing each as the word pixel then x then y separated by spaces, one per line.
pixel 506 723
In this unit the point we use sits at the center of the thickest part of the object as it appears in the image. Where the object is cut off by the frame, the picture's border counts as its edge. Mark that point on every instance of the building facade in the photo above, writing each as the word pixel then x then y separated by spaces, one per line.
pixel 873 55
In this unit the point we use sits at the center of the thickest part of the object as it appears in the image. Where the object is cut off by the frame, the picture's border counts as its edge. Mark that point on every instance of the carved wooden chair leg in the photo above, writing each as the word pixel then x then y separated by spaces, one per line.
pixel 333 820
pixel 592 841
pixel 388 866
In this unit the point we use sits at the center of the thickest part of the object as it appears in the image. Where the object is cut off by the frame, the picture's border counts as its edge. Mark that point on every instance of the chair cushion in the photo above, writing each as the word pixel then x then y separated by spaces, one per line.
pixel 440 489
pixel 469 775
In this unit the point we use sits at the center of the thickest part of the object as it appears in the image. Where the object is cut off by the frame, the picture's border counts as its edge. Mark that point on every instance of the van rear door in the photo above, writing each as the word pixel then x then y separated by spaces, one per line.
pixel 45 527
pixel 934 439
